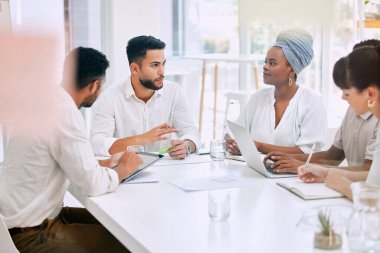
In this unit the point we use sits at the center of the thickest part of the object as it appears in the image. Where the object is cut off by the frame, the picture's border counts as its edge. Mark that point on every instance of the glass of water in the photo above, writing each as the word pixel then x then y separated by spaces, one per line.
pixel 135 148
pixel 219 205
pixel 218 150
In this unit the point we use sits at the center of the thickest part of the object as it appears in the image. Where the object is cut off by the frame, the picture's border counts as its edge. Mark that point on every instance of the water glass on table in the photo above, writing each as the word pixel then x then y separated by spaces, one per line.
pixel 218 150
pixel 218 200
pixel 135 148
pixel 219 205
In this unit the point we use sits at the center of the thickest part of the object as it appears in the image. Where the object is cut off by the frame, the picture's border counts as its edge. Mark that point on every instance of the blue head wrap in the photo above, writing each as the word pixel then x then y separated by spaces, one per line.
pixel 297 46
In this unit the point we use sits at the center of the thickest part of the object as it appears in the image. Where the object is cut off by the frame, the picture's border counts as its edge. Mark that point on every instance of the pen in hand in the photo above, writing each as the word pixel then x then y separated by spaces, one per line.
pixel 309 157
pixel 164 150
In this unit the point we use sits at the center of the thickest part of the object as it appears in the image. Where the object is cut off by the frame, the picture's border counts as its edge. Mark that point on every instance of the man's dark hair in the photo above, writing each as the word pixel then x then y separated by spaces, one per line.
pixel 90 65
pixel 363 67
pixel 137 47
pixel 340 72
pixel 370 42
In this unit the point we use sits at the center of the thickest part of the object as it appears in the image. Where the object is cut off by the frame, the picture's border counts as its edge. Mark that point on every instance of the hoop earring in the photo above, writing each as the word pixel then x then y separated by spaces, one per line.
pixel 290 81
pixel 371 104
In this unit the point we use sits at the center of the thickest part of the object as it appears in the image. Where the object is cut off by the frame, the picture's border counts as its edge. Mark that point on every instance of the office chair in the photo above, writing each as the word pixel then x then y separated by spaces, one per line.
pixel 6 244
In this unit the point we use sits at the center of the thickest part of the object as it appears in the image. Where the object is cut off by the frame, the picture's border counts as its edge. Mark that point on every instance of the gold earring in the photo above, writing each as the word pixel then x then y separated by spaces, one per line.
pixel 371 104
pixel 290 81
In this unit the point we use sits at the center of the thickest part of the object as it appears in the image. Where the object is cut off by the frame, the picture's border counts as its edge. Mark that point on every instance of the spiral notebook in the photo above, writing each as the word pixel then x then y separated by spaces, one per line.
pixel 309 191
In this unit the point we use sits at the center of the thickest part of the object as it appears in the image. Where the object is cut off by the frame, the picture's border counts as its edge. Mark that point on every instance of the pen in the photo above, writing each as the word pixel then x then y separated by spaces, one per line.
pixel 164 150
pixel 309 157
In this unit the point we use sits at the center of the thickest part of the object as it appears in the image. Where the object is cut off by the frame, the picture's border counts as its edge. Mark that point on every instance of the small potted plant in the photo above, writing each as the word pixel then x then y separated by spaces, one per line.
pixel 372 9
pixel 326 238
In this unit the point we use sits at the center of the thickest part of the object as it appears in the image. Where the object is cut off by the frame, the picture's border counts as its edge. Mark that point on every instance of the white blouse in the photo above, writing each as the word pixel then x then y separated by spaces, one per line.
pixel 303 123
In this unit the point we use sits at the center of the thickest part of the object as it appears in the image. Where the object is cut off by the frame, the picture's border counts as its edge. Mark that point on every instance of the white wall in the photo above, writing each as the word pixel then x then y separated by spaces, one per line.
pixel 41 17
pixel 123 20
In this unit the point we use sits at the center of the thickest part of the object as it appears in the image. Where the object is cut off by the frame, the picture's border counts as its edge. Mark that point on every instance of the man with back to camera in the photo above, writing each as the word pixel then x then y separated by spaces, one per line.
pixel 144 110
pixel 354 140
pixel 39 164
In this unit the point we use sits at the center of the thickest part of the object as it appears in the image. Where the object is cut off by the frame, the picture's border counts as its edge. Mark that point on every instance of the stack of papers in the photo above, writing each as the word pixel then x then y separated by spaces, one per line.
pixel 212 183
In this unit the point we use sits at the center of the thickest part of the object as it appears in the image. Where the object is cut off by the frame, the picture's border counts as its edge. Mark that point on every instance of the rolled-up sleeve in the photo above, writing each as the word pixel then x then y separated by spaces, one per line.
pixel 102 126
pixel 371 146
pixel 73 152
pixel 183 121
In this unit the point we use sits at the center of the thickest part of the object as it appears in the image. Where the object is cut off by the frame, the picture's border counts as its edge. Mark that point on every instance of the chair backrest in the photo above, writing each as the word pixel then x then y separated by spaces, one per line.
pixel 6 244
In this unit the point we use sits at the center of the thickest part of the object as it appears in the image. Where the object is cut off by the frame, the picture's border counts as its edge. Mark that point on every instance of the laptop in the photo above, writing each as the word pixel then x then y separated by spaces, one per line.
pixel 148 159
pixel 251 154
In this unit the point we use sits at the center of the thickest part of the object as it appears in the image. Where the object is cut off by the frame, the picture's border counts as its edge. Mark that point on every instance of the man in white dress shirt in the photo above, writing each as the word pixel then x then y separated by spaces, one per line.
pixel 145 109
pixel 40 164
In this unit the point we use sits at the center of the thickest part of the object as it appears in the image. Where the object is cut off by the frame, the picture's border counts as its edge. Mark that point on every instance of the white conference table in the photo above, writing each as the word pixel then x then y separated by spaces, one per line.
pixel 159 217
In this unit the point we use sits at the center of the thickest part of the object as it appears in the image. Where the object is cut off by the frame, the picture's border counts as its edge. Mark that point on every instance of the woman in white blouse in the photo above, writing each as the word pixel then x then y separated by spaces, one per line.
pixel 285 117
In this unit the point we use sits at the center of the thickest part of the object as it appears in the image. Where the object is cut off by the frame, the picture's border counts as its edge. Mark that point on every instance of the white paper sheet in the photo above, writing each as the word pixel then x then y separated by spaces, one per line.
pixel 214 183
pixel 193 158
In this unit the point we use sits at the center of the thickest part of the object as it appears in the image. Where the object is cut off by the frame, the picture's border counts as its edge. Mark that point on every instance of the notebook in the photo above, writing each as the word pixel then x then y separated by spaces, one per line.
pixel 148 159
pixel 309 191
pixel 251 154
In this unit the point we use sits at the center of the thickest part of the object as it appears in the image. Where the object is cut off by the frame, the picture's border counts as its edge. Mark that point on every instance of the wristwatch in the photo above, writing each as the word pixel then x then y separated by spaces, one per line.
pixel 188 148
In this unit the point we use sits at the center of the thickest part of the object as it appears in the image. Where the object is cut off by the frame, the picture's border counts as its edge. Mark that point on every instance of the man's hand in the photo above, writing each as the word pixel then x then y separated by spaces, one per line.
pixel 232 147
pixel 178 149
pixel 112 161
pixel 128 163
pixel 283 162
pixel 155 134
pixel 313 173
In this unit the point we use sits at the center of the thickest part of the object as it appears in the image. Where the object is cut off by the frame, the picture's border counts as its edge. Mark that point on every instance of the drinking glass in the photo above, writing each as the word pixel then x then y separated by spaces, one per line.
pixel 135 148
pixel 218 150
pixel 219 205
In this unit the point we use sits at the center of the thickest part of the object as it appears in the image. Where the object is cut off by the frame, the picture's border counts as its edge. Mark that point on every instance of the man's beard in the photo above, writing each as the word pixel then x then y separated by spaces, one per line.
pixel 149 85
pixel 89 101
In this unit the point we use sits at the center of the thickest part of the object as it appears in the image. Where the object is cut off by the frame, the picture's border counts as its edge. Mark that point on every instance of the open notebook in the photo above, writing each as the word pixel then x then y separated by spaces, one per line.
pixel 309 191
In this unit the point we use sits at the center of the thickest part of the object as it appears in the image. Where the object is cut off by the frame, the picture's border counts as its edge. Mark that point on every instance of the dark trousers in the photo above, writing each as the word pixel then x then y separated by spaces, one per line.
pixel 73 230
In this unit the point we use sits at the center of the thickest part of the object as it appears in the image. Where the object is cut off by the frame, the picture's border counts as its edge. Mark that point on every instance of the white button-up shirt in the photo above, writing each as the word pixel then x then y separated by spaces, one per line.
pixel 303 124
pixel 118 113
pixel 37 168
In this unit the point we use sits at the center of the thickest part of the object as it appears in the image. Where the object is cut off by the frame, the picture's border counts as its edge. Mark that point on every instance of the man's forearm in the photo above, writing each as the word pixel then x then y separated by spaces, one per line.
pixel 122 144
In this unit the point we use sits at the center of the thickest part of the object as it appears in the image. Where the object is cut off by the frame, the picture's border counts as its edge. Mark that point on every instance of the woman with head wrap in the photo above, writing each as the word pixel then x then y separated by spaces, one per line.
pixel 285 117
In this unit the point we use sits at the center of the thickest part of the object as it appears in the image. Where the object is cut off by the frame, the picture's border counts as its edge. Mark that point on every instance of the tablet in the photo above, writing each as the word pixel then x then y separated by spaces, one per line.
pixel 148 159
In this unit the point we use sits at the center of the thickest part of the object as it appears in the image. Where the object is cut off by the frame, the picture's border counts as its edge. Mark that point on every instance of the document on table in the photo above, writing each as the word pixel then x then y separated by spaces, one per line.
pixel 211 183
pixel 309 191
pixel 143 177
pixel 193 158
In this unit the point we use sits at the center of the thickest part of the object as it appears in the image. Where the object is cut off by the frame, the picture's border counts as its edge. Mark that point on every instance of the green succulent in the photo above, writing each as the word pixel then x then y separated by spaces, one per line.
pixel 326 224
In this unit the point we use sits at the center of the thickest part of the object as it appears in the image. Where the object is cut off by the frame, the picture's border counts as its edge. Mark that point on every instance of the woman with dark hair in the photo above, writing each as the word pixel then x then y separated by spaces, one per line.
pixel 363 75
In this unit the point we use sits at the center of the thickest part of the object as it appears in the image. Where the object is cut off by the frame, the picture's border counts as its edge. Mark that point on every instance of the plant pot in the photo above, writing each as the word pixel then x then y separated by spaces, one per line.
pixel 333 241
